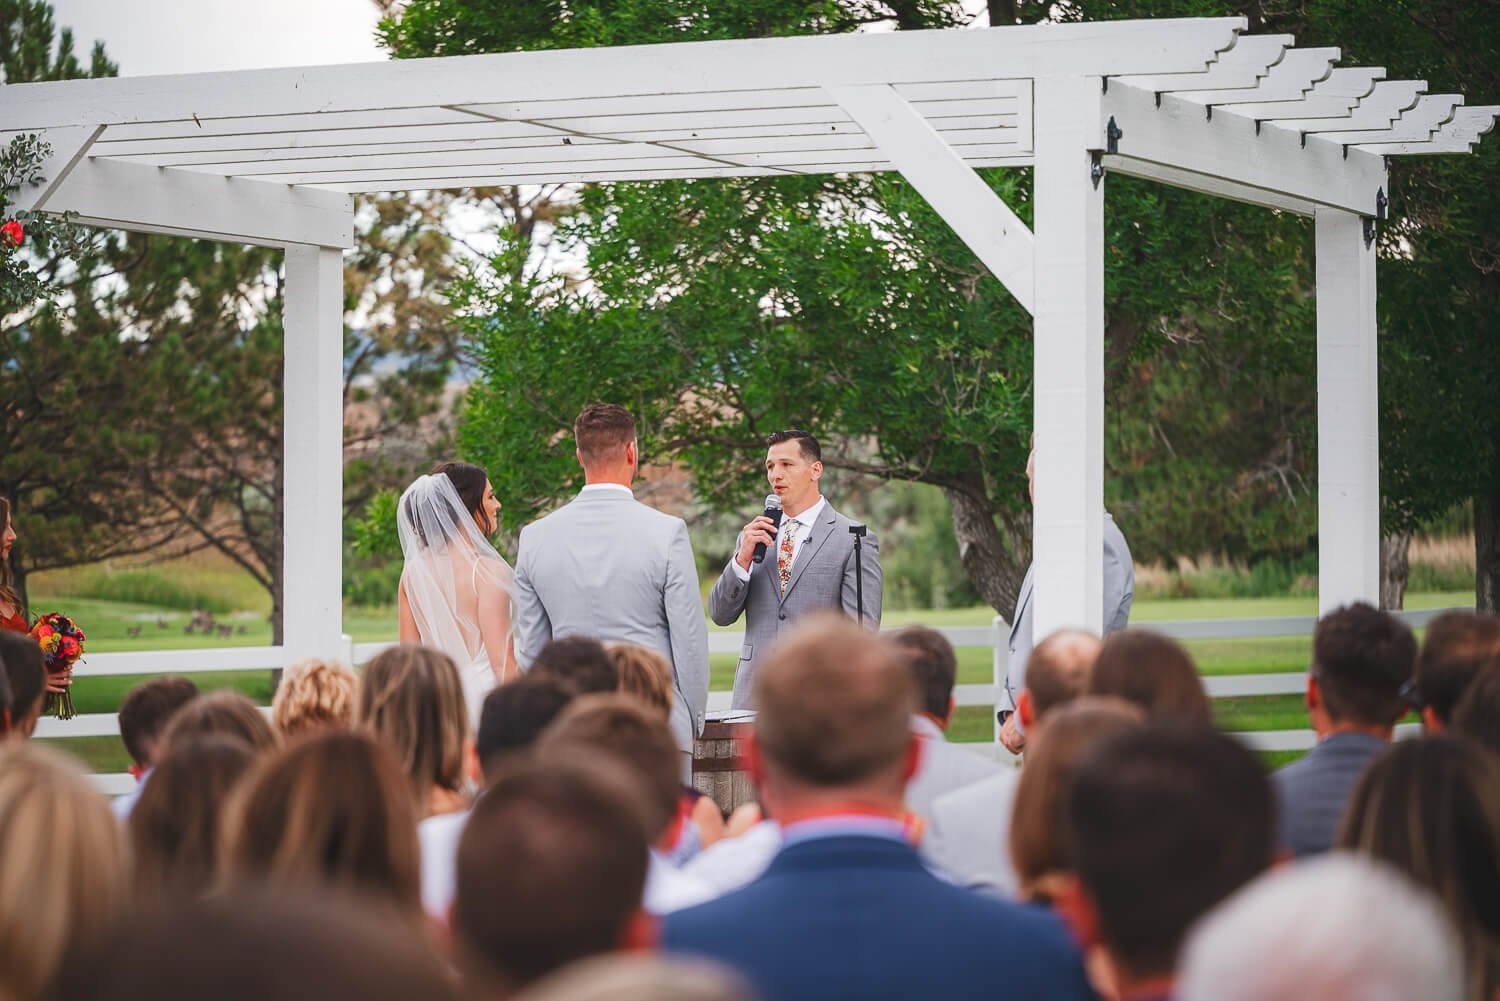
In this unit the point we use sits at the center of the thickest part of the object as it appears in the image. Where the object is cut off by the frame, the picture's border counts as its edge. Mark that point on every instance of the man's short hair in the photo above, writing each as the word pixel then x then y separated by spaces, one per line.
pixel 25 673
pixel 1163 823
pixel 225 713
pixel 1058 668
pixel 602 431
pixel 1361 658
pixel 620 728
pixel 934 667
pixel 515 714
pixel 834 703
pixel 1377 935
pixel 1458 644
pixel 811 451
pixel 146 710
pixel 578 661
pixel 1153 671
pixel 1477 715
pixel 551 866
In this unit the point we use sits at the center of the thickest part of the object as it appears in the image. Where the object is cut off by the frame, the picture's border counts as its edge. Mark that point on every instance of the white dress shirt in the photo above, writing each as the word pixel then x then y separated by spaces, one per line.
pixel 670 889
pixel 805 522
pixel 438 837
pixel 596 487
pixel 730 863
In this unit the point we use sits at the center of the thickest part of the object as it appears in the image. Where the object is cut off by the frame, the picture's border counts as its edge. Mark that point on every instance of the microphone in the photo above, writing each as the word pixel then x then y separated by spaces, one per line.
pixel 773 511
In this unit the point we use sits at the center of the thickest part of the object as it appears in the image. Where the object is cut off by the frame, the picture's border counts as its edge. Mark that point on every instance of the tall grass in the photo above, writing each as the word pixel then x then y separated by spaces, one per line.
pixel 204 581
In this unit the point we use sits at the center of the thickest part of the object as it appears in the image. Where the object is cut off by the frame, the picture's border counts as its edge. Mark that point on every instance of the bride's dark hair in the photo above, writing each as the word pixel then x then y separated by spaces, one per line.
pixel 7 591
pixel 469 481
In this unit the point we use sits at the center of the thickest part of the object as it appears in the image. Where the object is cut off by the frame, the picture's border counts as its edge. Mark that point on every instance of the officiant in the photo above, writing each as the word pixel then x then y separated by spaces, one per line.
pixel 811 560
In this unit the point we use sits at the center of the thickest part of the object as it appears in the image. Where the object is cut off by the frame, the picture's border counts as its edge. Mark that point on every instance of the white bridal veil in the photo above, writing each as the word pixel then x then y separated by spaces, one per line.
pixel 448 563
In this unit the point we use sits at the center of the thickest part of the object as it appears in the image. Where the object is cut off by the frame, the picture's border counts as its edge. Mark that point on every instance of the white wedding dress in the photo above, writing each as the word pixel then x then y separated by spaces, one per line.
pixel 451 572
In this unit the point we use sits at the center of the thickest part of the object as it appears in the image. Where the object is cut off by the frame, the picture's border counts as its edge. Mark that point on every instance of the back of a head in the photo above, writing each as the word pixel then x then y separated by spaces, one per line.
pixel 644 674
pixel 411 700
pixel 64 868
pixel 7 707
pixel 1037 847
pixel 176 825
pixel 1456 648
pixel 1431 808
pixel 1163 823
pixel 1361 659
pixel 934 667
pixel 834 705
pixel 254 945
pixel 1477 716
pixel 640 977
pixel 619 728
pixel 332 811
pixel 314 694
pixel 550 870
pixel 1154 672
pixel 1059 668
pixel 602 430
pixel 25 675
pixel 515 714
pixel 224 713
pixel 147 709
pixel 1334 928
pixel 581 662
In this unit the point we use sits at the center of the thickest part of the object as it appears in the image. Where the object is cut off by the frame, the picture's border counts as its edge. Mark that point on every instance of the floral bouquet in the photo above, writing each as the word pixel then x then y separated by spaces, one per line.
pixel 62 644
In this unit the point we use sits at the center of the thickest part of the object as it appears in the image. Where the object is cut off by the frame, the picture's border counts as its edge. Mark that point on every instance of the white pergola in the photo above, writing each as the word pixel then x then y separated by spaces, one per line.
pixel 274 157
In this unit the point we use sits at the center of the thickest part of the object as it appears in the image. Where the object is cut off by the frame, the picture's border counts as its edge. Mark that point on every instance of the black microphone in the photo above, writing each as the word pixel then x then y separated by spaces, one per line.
pixel 773 511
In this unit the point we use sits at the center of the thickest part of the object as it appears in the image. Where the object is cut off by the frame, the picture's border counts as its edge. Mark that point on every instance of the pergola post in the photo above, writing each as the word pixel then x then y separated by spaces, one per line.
pixel 1348 416
pixel 1067 530
pixel 313 510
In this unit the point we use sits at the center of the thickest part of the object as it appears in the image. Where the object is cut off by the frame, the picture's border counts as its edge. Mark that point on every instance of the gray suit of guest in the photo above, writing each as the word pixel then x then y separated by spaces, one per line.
pixel 1312 791
pixel 609 567
pixel 822 577
pixel 1119 592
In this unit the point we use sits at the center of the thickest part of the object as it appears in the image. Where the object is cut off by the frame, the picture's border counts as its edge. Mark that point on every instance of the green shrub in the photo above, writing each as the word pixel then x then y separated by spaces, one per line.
pixel 150 587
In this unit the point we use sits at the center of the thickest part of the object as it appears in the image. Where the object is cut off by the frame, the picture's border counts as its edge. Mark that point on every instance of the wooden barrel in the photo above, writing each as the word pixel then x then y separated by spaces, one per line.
pixel 719 768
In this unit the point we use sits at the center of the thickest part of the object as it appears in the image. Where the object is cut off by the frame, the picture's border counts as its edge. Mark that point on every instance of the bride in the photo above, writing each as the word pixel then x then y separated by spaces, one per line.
pixel 455 588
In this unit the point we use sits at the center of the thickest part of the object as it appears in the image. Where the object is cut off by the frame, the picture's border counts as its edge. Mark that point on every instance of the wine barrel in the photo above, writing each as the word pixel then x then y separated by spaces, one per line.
pixel 719 767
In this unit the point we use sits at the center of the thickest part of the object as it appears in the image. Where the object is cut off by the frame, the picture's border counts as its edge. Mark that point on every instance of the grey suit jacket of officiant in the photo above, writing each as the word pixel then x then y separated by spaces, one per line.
pixel 609 567
pixel 822 578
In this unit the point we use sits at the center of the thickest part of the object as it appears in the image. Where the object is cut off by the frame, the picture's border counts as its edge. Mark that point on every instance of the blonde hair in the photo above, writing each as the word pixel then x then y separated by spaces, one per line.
pixel 64 869
pixel 644 675
pixel 314 693
pixel 411 700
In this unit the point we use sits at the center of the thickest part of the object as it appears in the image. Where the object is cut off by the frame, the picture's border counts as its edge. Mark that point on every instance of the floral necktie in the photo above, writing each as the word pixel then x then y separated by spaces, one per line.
pixel 784 555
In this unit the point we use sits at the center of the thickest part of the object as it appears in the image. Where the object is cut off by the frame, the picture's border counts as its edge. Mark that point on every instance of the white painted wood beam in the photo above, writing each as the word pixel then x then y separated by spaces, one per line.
pixel 1383 105
pixel 163 199
pixel 1230 147
pixel 313 482
pixel 1068 524
pixel 980 217
pixel 1457 136
pixel 380 184
pixel 1334 97
pixel 1348 414
pixel 1216 186
pixel 1289 80
pixel 1244 65
pixel 1421 123
pixel 68 147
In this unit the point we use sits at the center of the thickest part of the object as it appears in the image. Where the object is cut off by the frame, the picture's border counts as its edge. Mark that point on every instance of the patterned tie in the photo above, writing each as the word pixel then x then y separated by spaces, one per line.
pixel 784 556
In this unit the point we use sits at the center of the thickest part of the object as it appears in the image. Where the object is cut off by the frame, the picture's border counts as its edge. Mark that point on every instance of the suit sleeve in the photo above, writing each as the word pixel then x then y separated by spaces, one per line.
pixel 687 631
pixel 530 624
pixel 727 599
pixel 873 582
pixel 1119 579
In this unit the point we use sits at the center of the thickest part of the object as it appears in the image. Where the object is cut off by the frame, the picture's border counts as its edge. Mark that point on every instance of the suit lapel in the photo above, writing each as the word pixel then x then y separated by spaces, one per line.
pixel 820 533
pixel 1023 599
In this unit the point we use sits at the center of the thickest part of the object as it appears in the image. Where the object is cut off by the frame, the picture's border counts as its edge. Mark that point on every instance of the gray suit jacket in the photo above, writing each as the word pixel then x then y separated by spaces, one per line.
pixel 1312 791
pixel 607 566
pixel 1119 592
pixel 944 767
pixel 968 833
pixel 822 578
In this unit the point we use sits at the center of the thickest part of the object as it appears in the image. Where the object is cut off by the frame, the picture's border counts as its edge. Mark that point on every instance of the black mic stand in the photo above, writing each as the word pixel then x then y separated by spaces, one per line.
pixel 858 531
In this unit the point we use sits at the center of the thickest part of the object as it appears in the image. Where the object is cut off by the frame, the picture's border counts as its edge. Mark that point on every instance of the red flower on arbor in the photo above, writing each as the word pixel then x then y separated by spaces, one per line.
pixel 13 233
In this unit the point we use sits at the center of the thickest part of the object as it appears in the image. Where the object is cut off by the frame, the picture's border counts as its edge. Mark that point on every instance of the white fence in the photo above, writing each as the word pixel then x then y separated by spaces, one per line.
pixel 994 637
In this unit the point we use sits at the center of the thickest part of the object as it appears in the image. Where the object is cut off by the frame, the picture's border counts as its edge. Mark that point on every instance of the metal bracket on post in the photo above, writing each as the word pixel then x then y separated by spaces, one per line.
pixel 1369 222
pixel 1096 166
pixel 1112 136
pixel 1381 203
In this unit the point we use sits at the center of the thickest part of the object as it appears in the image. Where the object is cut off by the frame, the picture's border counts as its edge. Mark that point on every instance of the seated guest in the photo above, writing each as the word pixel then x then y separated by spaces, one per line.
pixel 550 871
pixel 26 678
pixel 7 703
pixel 1163 822
pixel 330 811
pixel 1038 849
pixel 144 714
pixel 1361 659
pixel 1477 716
pixel 1375 935
pixel 1431 808
pixel 944 767
pixel 411 701
pixel 847 909
pixel 224 713
pixel 1457 647
pixel 253 945
pixel 176 825
pixel 639 977
pixel 621 729
pixel 64 867
pixel 1154 672
pixel 580 661
pixel 314 694
pixel 968 829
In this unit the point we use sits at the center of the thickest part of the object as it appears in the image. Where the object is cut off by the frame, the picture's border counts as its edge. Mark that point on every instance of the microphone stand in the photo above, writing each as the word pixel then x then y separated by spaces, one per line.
pixel 858 531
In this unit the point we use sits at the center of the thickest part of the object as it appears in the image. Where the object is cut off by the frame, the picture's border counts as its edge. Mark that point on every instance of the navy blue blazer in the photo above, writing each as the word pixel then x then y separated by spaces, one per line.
pixel 858 918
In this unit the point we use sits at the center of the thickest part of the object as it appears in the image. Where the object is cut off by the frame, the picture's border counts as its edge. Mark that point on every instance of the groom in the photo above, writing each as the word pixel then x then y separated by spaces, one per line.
pixel 609 567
